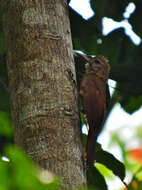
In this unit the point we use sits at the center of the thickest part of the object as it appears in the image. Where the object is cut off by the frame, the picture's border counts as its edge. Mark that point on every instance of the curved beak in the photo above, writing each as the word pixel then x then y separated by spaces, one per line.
pixel 82 55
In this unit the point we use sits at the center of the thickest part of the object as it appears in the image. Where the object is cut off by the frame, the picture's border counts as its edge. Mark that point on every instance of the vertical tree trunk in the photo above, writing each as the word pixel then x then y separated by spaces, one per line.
pixel 43 95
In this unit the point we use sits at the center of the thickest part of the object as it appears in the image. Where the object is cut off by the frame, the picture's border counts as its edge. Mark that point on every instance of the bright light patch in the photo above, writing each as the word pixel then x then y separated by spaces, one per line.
pixel 129 10
pixel 85 129
pixel 79 51
pixel 109 25
pixel 4 158
pixel 112 86
pixel 99 41
pixel 82 7
pixel 129 32
pixel 46 177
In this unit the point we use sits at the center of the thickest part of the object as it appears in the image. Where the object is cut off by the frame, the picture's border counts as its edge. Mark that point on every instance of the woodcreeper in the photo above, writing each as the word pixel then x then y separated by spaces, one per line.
pixel 93 92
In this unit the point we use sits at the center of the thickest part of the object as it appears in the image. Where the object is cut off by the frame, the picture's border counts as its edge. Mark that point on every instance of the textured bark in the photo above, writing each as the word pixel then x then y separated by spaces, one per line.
pixel 43 96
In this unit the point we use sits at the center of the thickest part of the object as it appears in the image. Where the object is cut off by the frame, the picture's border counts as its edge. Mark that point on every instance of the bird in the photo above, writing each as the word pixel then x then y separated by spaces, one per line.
pixel 93 94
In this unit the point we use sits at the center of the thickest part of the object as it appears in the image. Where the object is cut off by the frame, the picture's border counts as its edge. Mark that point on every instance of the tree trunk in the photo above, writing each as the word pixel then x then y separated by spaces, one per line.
pixel 43 94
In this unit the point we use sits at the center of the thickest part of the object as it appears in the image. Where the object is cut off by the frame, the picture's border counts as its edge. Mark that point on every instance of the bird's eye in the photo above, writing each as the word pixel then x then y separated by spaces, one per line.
pixel 97 62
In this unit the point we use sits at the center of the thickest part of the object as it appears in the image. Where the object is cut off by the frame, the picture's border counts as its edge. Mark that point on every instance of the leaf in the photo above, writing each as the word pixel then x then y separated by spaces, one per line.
pixel 130 104
pixel 4 176
pixel 21 169
pixel 104 170
pixel 95 180
pixel 98 147
pixel 112 163
pixel 23 173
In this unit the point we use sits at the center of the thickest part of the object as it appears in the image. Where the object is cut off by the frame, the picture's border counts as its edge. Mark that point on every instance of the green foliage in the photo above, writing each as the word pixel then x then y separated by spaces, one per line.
pixel 20 173
pixel 104 170
pixel 132 103
pixel 108 164
pixel 105 165
pixel 111 163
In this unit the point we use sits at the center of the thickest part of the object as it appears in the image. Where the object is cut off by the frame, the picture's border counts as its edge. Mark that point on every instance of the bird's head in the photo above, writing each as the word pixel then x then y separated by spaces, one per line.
pixel 98 65
pixel 95 64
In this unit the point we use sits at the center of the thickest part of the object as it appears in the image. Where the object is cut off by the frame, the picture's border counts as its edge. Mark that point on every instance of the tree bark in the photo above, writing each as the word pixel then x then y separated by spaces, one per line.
pixel 43 94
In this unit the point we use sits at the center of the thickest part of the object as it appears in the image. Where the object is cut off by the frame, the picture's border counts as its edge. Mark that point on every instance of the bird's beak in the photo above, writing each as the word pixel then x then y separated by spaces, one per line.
pixel 82 55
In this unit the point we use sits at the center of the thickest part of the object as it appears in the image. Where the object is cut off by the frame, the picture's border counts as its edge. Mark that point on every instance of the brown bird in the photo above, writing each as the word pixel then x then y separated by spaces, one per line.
pixel 93 93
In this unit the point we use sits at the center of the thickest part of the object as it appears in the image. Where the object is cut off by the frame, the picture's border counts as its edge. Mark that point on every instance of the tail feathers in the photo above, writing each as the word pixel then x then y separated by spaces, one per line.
pixel 91 149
